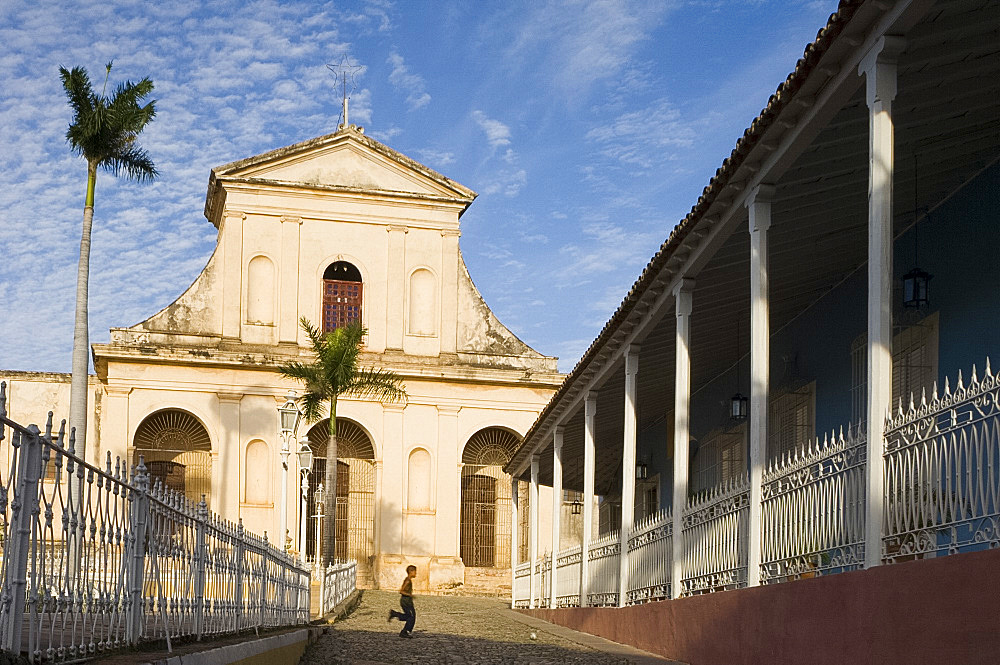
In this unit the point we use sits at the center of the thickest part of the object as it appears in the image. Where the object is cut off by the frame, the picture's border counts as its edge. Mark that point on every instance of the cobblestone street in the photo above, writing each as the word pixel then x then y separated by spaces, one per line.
pixel 460 631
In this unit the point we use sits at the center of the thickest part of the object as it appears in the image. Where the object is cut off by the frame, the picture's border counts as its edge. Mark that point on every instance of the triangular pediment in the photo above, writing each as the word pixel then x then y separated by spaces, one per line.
pixel 346 159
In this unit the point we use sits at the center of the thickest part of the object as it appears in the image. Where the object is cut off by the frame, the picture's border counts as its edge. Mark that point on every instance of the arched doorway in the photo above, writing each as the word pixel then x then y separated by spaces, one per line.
pixel 343 295
pixel 485 527
pixel 177 452
pixel 355 493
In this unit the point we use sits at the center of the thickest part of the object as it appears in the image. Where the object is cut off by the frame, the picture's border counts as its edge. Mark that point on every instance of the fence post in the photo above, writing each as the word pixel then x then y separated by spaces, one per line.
pixel 201 554
pixel 139 518
pixel 240 560
pixel 23 509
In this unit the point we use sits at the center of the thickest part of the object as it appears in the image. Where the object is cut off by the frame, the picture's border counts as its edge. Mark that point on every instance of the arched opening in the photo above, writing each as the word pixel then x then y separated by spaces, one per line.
pixel 177 452
pixel 355 521
pixel 342 295
pixel 485 516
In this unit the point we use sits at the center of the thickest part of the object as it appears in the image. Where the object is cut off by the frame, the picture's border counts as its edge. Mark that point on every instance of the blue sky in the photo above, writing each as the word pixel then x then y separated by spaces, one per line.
pixel 588 128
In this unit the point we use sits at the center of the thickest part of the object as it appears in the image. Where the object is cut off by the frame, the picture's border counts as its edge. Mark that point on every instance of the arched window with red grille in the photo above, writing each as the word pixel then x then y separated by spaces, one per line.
pixel 342 295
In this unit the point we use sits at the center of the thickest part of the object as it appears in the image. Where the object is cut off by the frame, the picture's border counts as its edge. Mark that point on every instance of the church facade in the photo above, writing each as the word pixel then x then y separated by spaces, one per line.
pixel 335 229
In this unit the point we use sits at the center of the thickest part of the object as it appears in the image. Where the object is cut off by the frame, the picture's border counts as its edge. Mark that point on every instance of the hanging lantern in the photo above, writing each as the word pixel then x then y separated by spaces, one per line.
pixel 738 407
pixel 640 471
pixel 915 289
pixel 576 505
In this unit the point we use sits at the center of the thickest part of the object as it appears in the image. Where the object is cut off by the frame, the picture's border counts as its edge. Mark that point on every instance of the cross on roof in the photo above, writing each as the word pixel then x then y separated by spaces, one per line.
pixel 344 71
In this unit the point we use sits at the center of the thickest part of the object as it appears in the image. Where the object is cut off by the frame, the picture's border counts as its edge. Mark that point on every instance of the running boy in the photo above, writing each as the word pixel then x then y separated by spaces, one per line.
pixel 409 614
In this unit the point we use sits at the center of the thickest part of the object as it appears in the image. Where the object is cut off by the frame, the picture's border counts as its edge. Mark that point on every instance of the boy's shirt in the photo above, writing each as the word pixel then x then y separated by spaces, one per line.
pixel 407 588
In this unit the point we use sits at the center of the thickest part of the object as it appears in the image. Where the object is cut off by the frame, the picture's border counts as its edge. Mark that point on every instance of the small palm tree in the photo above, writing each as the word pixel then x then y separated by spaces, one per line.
pixel 104 131
pixel 335 373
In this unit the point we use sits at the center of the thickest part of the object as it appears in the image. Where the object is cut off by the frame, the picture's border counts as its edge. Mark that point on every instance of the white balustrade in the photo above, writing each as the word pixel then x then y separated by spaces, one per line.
pixel 338 582
pixel 813 510
pixel 604 567
pixel 568 581
pixel 942 472
pixel 715 539
pixel 522 584
pixel 649 556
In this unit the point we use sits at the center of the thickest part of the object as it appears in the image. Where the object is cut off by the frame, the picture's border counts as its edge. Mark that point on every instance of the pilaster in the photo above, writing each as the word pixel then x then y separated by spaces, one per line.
pixel 228 458
pixel 232 273
pixel 288 281
pixel 449 290
pixel 395 287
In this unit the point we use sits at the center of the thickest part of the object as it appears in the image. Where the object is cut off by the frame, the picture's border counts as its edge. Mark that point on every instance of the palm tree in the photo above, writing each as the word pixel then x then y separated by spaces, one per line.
pixel 335 373
pixel 104 132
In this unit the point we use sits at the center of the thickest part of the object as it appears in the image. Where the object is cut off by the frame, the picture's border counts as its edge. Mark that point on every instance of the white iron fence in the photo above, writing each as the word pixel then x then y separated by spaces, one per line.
pixel 604 570
pixel 94 559
pixel 649 555
pixel 813 510
pixel 715 539
pixel 522 585
pixel 568 577
pixel 337 582
pixel 941 497
pixel 942 472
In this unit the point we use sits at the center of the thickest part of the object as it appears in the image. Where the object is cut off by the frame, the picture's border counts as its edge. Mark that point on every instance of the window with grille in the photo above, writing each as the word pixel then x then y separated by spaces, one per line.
pixel 914 366
pixel 721 457
pixel 791 420
pixel 343 293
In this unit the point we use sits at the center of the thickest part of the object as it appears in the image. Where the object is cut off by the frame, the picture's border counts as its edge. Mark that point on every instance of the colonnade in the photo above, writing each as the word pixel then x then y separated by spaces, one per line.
pixel 879 69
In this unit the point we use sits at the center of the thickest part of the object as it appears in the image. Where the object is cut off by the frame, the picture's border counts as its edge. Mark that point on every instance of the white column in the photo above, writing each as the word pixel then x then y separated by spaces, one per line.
pixel 557 484
pixel 879 69
pixel 533 529
pixel 759 207
pixel 589 455
pixel 682 445
pixel 628 469
pixel 514 528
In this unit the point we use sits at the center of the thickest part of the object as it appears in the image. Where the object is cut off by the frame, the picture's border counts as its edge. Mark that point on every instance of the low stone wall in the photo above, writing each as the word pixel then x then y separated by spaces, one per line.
pixel 282 649
pixel 934 611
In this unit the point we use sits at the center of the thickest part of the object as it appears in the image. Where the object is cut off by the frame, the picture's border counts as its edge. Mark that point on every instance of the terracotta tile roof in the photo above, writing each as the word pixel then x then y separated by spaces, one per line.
pixel 784 94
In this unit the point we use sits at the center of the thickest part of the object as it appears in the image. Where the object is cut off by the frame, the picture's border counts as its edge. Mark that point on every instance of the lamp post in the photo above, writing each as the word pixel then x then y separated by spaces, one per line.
pixel 305 459
pixel 320 502
pixel 288 424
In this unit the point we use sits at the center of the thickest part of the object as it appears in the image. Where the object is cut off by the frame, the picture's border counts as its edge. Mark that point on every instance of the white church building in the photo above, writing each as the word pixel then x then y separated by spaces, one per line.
pixel 334 229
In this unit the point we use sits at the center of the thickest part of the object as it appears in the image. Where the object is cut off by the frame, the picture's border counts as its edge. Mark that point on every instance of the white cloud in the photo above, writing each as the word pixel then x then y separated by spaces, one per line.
pixel 585 41
pixel 644 137
pixel 436 157
pixel 412 84
pixel 497 133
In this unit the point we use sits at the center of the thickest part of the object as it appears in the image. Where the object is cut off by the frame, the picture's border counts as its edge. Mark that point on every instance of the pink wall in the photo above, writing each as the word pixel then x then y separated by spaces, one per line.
pixel 944 610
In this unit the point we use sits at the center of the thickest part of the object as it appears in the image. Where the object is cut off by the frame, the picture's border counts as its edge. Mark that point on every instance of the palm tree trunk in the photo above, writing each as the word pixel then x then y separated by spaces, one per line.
pixel 330 507
pixel 81 356
pixel 81 341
